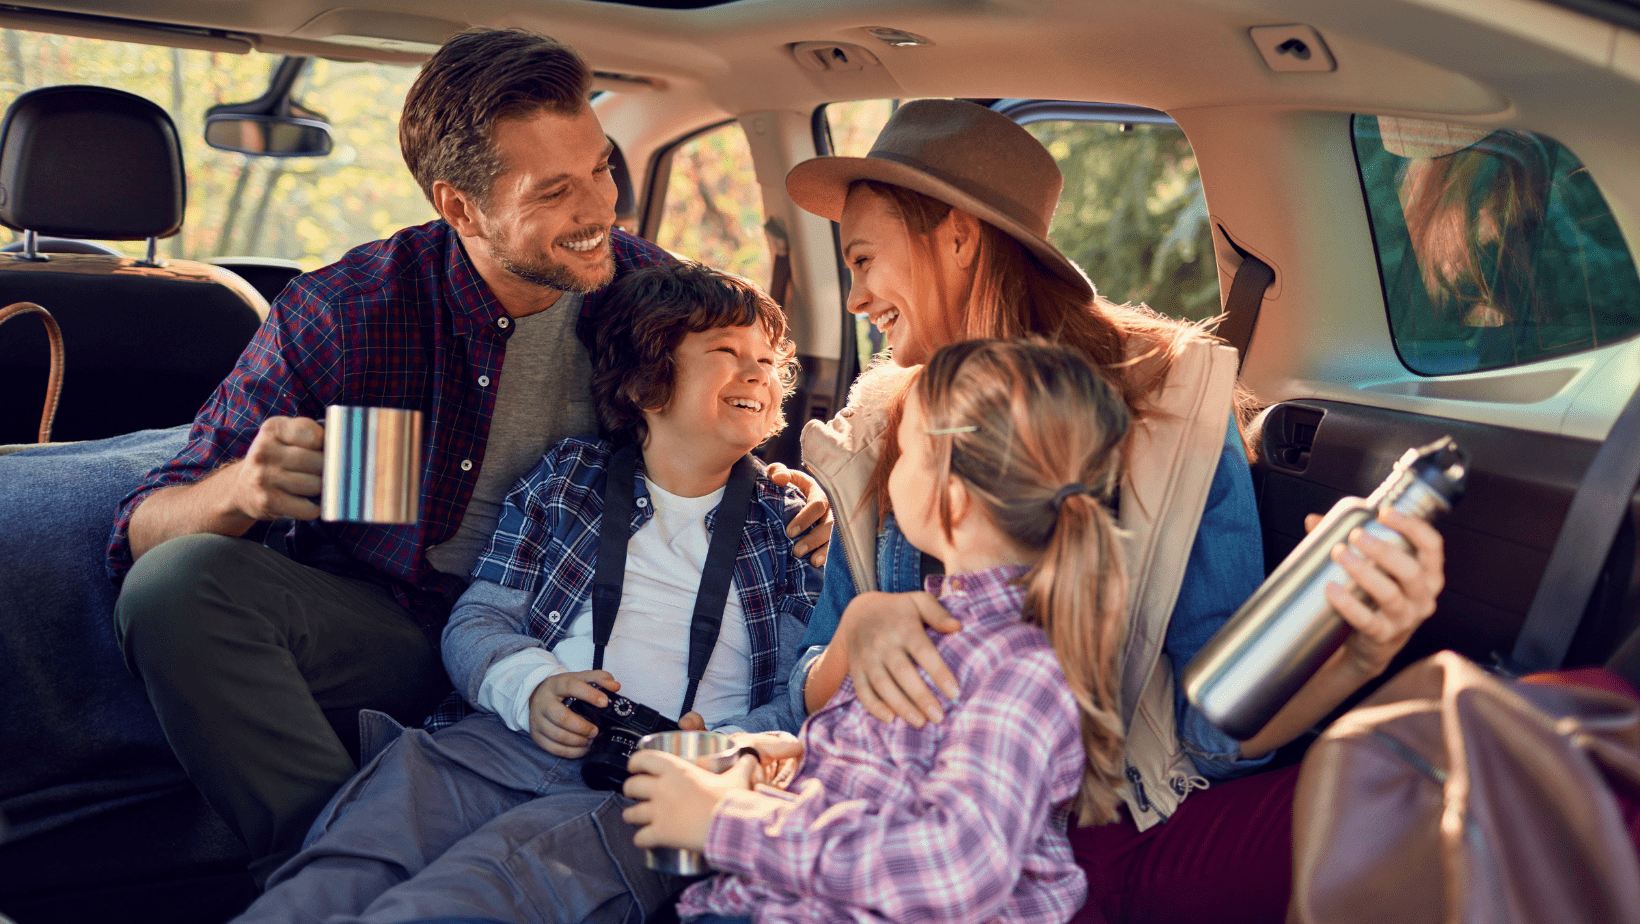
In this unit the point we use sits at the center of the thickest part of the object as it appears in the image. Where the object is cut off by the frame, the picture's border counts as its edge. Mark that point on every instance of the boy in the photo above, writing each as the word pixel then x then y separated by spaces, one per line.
pixel 489 817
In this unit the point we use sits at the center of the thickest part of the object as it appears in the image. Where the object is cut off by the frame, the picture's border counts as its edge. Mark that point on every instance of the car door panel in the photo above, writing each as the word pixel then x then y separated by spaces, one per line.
pixel 1498 537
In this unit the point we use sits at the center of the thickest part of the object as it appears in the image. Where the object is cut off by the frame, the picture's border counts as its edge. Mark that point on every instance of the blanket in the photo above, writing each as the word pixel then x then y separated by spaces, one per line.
pixel 77 735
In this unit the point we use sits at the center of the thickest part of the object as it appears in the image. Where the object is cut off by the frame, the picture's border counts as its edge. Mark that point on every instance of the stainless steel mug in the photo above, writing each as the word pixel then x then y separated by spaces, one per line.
pixel 1283 634
pixel 372 465
pixel 713 750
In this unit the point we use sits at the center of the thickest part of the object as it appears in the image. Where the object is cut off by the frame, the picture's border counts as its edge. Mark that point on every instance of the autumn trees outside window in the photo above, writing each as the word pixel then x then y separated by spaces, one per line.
pixel 309 209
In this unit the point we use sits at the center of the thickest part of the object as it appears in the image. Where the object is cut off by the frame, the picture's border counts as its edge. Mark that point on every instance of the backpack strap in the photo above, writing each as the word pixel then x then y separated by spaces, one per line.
pixel 1172 457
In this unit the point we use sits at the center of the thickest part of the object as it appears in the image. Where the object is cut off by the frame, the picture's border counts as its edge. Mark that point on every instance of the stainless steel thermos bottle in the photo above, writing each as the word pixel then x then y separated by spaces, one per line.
pixel 1284 633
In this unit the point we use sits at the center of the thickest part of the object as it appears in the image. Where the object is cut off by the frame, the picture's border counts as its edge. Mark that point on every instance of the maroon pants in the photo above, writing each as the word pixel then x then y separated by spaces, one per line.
pixel 1226 855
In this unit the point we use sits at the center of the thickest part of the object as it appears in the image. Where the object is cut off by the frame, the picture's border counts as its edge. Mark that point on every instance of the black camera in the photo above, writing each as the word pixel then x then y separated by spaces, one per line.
pixel 620 725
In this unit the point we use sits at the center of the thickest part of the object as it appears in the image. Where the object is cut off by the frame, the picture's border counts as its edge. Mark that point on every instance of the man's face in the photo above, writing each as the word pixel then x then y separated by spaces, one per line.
pixel 548 216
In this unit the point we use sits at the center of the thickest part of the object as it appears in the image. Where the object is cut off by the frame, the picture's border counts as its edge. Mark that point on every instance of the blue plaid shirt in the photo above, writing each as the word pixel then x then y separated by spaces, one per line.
pixel 405 322
pixel 546 543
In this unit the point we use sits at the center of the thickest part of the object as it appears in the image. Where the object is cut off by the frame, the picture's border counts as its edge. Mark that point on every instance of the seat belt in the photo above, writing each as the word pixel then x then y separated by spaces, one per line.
pixel 1598 508
pixel 609 573
pixel 780 275
pixel 1241 306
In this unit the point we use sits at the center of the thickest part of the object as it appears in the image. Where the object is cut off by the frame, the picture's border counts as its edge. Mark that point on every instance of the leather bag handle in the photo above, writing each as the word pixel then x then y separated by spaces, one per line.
pixel 54 382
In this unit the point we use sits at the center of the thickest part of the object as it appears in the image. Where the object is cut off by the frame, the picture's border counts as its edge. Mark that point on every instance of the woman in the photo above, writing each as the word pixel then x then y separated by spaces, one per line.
pixel 944 226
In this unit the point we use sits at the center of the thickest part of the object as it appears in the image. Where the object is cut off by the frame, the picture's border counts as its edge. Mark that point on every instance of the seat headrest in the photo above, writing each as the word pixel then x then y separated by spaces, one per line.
pixel 626 201
pixel 90 162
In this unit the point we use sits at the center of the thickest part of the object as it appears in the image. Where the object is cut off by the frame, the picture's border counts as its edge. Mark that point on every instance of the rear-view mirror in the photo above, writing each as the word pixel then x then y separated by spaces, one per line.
pixel 268 135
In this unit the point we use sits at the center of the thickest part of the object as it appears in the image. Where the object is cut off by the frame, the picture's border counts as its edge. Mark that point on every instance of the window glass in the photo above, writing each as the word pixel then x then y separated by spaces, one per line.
pixel 1132 214
pixel 714 206
pixel 854 125
pixel 1495 248
pixel 310 209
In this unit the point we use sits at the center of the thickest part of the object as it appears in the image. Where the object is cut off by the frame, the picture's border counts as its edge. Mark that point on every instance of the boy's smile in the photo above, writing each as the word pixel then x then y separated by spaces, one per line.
pixel 726 399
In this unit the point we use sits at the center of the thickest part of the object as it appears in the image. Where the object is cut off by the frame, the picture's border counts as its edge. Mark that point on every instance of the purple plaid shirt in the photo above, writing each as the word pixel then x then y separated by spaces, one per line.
pixel 963 821
pixel 406 323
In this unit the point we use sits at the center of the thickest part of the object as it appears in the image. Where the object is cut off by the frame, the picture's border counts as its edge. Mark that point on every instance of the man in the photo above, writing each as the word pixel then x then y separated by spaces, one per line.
pixel 255 628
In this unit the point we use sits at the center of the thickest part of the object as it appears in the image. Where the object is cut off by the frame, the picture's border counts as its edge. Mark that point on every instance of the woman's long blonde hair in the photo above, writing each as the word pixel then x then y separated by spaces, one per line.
pixel 1034 432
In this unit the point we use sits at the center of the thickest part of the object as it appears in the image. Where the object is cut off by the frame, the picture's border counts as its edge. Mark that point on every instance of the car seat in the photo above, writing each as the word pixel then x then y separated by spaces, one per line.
pixel 147 341
pixel 268 275
pixel 626 199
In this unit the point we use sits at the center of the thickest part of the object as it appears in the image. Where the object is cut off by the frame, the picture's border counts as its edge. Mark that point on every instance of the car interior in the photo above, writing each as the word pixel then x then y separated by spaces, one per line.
pixel 150 341
pixel 1444 194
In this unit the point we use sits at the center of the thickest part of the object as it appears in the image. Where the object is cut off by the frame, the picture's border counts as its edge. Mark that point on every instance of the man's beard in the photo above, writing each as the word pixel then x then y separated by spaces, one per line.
pixel 550 274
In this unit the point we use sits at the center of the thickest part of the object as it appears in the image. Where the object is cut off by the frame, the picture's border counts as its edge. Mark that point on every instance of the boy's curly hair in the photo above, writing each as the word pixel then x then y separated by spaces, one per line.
pixel 644 315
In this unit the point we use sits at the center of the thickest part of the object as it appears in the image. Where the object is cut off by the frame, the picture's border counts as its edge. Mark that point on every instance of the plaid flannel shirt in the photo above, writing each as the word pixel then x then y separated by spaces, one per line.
pixel 960 821
pixel 405 322
pixel 546 543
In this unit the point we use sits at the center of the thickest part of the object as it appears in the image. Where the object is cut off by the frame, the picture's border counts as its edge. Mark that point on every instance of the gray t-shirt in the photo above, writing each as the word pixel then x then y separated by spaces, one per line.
pixel 544 396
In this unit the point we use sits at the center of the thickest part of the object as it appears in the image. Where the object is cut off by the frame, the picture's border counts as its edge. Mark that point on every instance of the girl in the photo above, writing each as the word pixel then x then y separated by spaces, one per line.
pixel 1010 450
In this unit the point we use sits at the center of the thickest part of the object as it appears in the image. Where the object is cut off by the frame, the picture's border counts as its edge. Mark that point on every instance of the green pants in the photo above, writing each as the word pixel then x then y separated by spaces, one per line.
pixel 249 659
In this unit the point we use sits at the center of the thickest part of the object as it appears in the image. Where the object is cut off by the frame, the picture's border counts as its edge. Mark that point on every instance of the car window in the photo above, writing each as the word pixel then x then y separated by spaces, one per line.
pixel 1495 248
pixel 713 211
pixel 854 125
pixel 1132 213
pixel 309 209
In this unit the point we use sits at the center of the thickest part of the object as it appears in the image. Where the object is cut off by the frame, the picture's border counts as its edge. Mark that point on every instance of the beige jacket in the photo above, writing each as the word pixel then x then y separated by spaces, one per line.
pixel 1174 454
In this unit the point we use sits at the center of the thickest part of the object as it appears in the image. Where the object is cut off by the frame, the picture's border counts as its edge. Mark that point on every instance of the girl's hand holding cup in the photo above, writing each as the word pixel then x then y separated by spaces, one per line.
pixel 678 778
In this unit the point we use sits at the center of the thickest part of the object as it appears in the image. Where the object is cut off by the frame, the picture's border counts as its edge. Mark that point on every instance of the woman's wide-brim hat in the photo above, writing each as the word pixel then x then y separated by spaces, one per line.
pixel 962 154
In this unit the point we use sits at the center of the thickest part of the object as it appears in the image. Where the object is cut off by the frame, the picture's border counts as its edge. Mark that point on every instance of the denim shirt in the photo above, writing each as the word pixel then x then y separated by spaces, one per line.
pixel 1226 565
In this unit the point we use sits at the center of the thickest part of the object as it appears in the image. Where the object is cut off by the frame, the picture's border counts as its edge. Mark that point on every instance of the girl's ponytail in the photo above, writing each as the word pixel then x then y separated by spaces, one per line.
pixel 1078 595
pixel 1036 435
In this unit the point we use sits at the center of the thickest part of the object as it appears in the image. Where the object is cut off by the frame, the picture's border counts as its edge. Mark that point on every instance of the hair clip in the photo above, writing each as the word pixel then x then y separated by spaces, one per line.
pixel 971 428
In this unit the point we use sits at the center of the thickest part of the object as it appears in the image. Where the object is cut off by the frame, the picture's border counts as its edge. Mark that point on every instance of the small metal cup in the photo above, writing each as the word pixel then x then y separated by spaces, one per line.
pixel 713 750
pixel 372 465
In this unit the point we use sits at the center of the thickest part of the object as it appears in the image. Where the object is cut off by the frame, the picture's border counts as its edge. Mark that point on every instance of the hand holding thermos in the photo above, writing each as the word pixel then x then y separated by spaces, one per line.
pixel 1284 633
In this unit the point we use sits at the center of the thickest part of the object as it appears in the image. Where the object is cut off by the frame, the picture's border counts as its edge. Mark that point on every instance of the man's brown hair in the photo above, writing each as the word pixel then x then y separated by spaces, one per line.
pixel 479 78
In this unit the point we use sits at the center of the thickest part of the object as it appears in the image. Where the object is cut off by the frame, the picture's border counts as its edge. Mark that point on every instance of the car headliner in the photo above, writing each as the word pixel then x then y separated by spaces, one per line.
pixel 1496 59
pixel 1274 148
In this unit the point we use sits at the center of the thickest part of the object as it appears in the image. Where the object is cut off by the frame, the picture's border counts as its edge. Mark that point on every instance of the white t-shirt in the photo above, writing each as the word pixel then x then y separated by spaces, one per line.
pixel 648 650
